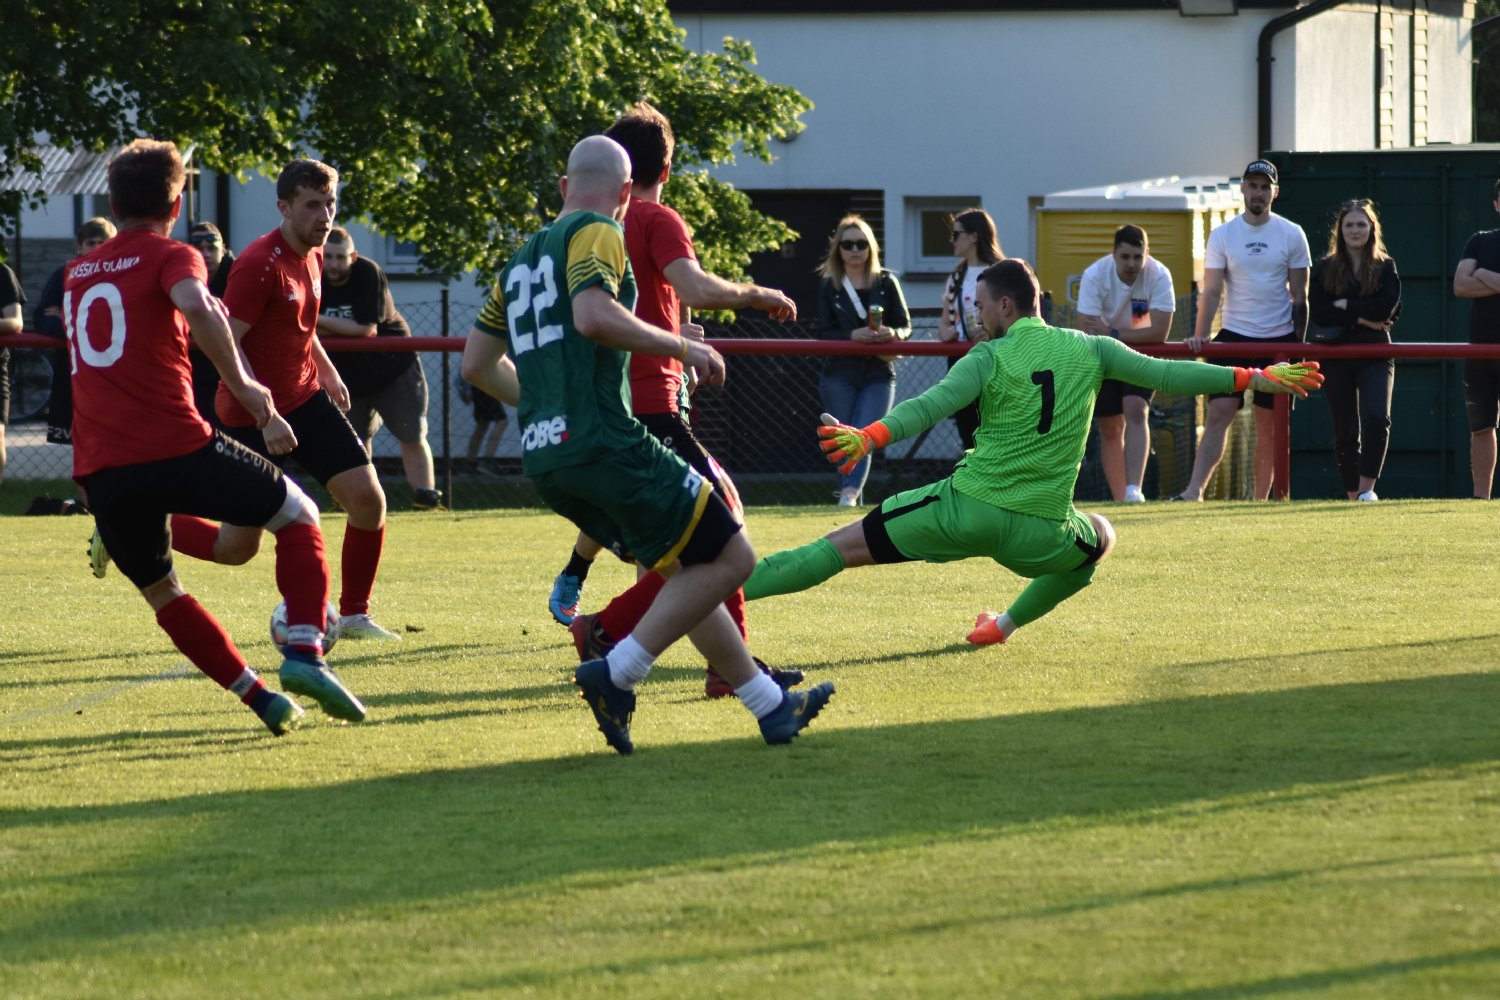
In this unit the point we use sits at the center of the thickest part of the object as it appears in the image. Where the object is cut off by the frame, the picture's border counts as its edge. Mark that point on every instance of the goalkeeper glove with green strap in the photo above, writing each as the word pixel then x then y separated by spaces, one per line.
pixel 847 446
pixel 1296 377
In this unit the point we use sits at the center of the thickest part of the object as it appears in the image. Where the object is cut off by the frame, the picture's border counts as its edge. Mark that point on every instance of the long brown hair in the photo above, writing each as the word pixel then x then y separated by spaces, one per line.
pixel 1338 270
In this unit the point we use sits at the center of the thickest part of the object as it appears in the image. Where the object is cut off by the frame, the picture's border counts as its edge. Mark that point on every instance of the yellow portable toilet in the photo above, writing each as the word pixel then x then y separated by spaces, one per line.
pixel 1076 228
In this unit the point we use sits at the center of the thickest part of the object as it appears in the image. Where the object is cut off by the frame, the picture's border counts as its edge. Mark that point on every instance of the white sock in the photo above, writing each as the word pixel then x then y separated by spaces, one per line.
pixel 760 695
pixel 629 663
pixel 1133 492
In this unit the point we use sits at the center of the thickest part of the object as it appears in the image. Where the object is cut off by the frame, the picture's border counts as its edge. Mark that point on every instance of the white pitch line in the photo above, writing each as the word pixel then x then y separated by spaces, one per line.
pixel 177 672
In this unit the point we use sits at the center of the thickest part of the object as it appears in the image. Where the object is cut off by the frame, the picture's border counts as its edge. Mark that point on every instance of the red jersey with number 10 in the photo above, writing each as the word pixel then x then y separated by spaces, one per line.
pixel 127 343
pixel 277 292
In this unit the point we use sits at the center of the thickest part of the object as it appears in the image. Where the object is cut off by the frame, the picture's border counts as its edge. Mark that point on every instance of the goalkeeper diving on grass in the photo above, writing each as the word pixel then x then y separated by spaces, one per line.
pixel 1011 496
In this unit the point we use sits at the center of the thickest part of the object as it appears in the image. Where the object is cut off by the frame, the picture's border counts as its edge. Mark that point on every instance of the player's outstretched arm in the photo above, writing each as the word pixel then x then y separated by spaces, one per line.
pixel 600 318
pixel 700 290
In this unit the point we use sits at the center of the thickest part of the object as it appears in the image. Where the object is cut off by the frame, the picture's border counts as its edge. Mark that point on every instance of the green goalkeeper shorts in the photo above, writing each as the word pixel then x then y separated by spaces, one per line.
pixel 938 524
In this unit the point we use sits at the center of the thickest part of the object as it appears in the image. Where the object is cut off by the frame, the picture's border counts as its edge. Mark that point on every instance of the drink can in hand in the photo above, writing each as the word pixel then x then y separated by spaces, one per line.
pixel 877 317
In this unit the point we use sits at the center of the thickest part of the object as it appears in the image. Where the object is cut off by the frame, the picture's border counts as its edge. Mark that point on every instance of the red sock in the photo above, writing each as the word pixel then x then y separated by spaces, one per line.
pixel 360 561
pixel 193 536
pixel 621 615
pixel 735 605
pixel 302 574
pixel 200 637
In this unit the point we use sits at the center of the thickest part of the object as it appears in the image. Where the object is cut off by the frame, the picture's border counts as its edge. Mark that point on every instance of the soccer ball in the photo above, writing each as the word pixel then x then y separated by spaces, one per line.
pixel 279 627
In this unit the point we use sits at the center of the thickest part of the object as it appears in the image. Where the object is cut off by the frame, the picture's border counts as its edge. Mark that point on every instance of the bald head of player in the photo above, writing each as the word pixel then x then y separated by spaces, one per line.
pixel 598 178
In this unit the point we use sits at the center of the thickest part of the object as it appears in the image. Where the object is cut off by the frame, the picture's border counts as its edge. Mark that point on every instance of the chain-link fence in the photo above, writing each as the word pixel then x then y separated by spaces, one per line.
pixel 759 426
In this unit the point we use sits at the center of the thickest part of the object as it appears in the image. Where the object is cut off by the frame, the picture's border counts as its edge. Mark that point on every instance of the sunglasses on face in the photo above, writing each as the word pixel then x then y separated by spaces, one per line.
pixel 853 245
pixel 956 235
pixel 204 241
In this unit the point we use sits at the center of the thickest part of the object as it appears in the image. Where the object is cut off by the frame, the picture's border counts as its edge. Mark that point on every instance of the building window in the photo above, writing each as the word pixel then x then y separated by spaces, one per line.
pixel 401 256
pixel 930 220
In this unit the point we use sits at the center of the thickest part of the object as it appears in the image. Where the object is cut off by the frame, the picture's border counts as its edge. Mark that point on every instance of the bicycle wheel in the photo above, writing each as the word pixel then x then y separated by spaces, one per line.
pixel 30 384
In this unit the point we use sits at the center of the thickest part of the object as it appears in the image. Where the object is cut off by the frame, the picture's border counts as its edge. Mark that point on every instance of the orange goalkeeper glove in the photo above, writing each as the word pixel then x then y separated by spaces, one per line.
pixel 1295 377
pixel 847 446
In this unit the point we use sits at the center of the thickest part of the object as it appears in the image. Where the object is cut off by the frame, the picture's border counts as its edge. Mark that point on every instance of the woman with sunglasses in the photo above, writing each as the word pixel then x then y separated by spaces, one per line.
pixel 1355 289
pixel 977 247
pixel 859 301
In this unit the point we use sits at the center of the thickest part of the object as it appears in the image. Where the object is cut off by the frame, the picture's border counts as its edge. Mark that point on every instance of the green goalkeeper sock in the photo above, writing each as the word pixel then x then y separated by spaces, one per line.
pixel 1047 592
pixel 791 570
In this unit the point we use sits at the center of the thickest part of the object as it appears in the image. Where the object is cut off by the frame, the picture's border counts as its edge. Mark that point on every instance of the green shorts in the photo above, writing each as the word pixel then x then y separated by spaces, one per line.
pixel 643 503
pixel 937 523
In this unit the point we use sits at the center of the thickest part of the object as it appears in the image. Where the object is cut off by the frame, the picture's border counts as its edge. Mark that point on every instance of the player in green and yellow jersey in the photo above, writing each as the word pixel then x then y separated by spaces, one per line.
pixel 1011 496
pixel 553 340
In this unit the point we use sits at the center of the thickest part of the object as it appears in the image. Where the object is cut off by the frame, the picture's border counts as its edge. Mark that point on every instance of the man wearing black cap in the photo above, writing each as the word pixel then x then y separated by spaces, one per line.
pixel 1256 264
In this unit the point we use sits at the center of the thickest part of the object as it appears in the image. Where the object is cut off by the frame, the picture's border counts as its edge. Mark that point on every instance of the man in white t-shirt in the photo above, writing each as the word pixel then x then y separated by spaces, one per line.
pixel 1257 264
pixel 1128 296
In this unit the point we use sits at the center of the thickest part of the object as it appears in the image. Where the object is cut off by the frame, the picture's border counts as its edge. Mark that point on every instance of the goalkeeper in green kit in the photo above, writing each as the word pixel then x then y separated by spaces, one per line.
pixel 1010 497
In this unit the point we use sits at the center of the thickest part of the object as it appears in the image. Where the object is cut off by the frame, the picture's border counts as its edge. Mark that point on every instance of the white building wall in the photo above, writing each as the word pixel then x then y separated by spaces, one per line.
pixel 1450 87
pixel 1012 106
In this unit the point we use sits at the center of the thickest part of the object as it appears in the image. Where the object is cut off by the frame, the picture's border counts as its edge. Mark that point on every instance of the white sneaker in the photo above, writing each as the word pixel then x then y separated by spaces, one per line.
pixel 848 497
pixel 1368 496
pixel 363 627
pixel 1133 494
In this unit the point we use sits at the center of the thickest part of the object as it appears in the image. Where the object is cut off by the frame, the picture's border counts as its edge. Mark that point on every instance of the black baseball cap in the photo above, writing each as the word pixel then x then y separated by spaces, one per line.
pixel 1262 167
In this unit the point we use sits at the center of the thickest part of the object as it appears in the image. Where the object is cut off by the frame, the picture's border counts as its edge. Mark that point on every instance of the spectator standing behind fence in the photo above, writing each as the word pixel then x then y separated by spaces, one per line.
pixel 975 243
pixel 1256 264
pixel 489 426
pixel 861 302
pixel 387 386
pixel 1355 291
pixel 1478 278
pixel 11 301
pixel 48 321
pixel 217 258
pixel 1128 296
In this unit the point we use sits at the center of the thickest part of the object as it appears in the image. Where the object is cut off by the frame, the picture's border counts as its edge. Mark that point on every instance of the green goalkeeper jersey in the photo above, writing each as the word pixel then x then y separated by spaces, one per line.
pixel 575 394
pixel 1036 388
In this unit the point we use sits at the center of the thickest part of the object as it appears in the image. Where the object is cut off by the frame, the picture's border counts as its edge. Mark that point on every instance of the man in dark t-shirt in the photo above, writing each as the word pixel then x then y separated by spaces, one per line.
pixel 384 386
pixel 218 259
pixel 1478 278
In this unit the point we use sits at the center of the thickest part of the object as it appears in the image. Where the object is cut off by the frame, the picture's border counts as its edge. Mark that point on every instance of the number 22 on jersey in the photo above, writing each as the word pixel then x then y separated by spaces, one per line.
pixel 528 294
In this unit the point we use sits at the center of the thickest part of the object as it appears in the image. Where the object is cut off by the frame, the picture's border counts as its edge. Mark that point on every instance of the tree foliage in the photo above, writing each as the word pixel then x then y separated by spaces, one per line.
pixel 450 120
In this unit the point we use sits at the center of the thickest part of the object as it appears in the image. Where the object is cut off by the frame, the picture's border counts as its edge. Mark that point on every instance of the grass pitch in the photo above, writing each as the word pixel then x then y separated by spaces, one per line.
pixel 1256 759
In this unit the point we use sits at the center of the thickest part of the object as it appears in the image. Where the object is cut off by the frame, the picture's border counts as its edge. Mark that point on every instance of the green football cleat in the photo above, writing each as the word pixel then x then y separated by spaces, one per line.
pixel 363 627
pixel 612 707
pixel 281 714
pixel 797 709
pixel 98 556
pixel 322 685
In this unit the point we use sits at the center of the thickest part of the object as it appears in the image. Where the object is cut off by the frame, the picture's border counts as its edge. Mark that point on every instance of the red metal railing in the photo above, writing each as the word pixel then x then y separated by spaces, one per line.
pixel 811 347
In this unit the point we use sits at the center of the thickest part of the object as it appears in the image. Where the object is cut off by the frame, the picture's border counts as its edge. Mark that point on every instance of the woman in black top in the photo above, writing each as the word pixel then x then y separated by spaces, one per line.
pixel 1355 288
pixel 977 247
pixel 858 390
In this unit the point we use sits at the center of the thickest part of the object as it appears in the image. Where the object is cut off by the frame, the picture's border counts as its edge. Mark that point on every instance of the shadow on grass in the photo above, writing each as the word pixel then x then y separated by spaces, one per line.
pixel 601 820
pixel 1317 982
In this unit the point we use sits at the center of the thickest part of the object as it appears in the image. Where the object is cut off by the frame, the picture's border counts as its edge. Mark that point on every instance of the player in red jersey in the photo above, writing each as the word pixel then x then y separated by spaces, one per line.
pixel 141 451
pixel 669 280
pixel 272 299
